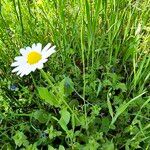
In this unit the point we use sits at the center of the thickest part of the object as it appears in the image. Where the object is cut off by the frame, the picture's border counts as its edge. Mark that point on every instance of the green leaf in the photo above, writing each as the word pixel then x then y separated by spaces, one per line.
pixel 108 146
pixel 65 87
pixel 60 88
pixel 121 86
pixel 107 83
pixel 65 118
pixel 110 107
pixel 105 124
pixel 61 147
pixel 51 148
pixel 53 133
pixel 41 116
pixel 48 96
pixel 31 147
pixel 69 86
pixel 74 103
pixel 123 107
pixel 99 89
pixel 20 139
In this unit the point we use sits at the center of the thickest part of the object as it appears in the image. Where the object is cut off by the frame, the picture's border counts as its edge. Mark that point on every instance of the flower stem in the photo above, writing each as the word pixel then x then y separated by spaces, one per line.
pixel 47 78
pixel 60 96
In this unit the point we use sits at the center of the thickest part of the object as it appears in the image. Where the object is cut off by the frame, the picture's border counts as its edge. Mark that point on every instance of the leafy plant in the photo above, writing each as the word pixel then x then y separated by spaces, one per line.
pixel 94 92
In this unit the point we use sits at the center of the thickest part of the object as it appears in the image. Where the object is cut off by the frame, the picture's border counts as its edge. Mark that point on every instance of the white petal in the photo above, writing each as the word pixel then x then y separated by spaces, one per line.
pixel 52 49
pixel 46 47
pixel 33 67
pixel 40 66
pixel 39 47
pixel 49 52
pixel 18 58
pixel 18 73
pixel 20 70
pixel 33 46
pixel 19 62
pixel 44 60
pixel 28 71
pixel 23 51
pixel 23 70
pixel 14 64
pixel 22 74
pixel 16 69
pixel 28 49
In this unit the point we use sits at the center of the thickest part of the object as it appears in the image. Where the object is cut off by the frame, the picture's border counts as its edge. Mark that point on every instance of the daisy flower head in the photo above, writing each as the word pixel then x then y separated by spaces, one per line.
pixel 32 58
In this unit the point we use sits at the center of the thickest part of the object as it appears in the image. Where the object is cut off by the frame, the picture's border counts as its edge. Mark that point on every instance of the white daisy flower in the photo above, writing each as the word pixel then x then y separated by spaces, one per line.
pixel 32 58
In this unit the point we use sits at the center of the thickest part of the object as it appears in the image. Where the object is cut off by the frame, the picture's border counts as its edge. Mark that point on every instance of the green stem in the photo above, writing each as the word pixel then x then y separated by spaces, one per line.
pixel 84 82
pixel 22 115
pixel 47 78
pixel 60 96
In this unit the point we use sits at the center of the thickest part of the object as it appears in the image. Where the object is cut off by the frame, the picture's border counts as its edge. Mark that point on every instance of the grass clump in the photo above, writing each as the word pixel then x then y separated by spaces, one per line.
pixel 94 92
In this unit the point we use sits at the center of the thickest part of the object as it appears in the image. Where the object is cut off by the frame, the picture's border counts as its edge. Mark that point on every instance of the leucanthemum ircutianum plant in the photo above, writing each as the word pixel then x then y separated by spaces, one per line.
pixel 32 58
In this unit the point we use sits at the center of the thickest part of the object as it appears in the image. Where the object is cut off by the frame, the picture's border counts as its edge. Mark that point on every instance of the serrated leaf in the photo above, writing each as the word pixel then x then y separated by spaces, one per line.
pixel 20 139
pixel 31 147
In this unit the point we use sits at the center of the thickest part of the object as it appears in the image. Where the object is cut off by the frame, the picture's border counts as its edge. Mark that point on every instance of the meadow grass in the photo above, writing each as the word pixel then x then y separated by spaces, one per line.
pixel 94 91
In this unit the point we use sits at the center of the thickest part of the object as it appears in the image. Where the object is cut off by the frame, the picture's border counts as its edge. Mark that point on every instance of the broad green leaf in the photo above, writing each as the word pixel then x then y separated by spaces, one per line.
pixel 121 86
pixel 60 88
pixel 74 103
pixel 65 118
pixel 48 96
pixel 108 146
pixel 53 133
pixel 31 147
pixel 65 87
pixel 41 116
pixel 20 139
pixel 61 147
pixel 51 148
pixel 105 124
pixel 91 145
pixel 69 86
pixel 107 83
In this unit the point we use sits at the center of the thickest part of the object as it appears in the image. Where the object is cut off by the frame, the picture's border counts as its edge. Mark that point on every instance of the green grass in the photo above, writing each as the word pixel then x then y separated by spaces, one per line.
pixel 94 91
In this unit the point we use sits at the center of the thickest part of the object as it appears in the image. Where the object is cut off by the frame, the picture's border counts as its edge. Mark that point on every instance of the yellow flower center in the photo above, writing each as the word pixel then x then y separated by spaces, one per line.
pixel 33 57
